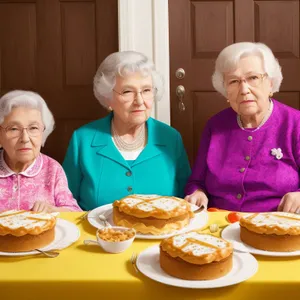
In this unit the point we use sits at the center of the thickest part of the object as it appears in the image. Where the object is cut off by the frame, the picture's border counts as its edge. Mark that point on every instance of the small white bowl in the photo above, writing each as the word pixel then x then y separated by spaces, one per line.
pixel 110 246
pixel 115 247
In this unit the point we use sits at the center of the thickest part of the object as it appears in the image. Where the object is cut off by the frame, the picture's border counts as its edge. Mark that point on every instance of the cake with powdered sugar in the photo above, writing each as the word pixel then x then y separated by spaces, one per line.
pixel 274 231
pixel 25 230
pixel 196 256
pixel 152 214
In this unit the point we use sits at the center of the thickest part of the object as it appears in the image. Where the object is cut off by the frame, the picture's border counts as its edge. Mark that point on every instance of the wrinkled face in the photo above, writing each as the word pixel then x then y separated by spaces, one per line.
pixel 132 99
pixel 25 147
pixel 248 87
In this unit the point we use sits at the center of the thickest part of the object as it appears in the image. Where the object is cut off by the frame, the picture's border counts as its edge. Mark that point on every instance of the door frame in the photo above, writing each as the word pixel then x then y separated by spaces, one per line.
pixel 144 27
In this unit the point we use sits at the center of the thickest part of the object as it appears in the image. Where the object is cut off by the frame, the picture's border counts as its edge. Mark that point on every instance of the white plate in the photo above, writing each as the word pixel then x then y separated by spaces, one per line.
pixel 198 221
pixel 66 233
pixel 232 233
pixel 244 266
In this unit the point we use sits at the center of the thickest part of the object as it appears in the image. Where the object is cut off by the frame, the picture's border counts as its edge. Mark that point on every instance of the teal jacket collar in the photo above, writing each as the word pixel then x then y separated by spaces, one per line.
pixel 103 142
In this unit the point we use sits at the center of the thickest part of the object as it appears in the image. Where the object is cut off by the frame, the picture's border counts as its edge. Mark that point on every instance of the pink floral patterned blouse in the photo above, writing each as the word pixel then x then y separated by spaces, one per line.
pixel 44 180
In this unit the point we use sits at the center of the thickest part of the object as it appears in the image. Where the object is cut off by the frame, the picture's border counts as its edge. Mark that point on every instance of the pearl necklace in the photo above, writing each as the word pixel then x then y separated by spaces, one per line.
pixel 138 143
pixel 263 121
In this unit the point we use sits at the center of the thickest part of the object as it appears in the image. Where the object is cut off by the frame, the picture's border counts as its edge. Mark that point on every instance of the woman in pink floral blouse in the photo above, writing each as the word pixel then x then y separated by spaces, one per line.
pixel 29 180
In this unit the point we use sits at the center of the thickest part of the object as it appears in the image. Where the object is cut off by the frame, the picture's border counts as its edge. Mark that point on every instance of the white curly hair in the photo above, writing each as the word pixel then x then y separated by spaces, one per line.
pixel 123 64
pixel 229 57
pixel 20 98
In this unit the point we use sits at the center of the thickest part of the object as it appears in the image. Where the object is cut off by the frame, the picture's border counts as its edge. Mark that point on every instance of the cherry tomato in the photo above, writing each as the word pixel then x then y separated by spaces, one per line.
pixel 212 209
pixel 233 217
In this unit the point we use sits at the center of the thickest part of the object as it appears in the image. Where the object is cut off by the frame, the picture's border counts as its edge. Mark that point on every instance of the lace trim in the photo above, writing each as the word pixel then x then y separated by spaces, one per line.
pixel 31 171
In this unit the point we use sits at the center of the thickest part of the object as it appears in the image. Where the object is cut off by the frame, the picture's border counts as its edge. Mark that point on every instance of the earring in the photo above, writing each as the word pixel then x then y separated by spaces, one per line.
pixel 110 108
pixel 227 101
pixel 271 94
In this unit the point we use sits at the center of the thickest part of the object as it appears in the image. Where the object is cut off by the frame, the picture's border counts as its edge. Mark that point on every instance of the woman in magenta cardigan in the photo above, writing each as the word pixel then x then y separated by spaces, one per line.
pixel 249 155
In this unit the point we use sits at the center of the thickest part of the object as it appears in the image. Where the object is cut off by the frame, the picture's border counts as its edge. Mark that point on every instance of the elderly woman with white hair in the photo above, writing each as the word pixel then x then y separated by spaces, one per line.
pixel 29 180
pixel 127 152
pixel 249 155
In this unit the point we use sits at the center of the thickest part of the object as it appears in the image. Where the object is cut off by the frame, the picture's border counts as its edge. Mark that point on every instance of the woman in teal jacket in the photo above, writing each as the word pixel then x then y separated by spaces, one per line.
pixel 127 152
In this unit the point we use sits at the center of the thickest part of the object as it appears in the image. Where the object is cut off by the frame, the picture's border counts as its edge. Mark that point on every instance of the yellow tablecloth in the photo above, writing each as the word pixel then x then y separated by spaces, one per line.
pixel 86 272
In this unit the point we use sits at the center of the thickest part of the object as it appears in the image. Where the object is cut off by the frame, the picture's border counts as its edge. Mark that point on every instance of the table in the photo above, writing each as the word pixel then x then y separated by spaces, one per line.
pixel 86 272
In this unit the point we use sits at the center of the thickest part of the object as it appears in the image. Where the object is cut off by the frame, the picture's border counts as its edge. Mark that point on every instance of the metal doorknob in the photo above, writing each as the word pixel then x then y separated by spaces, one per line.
pixel 180 73
pixel 180 92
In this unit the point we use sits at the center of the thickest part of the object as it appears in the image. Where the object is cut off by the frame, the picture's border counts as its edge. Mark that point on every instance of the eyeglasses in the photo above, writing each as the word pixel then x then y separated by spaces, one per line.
pixel 146 94
pixel 253 80
pixel 14 131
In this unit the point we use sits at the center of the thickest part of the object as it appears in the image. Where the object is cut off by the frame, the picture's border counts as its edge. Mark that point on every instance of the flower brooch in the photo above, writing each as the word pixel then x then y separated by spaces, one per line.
pixel 277 153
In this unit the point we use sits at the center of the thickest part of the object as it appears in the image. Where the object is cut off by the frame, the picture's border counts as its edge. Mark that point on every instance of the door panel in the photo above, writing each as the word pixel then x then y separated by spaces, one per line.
pixel 54 48
pixel 199 30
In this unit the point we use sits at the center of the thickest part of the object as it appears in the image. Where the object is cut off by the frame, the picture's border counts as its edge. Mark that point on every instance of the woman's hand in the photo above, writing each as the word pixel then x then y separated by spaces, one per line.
pixel 290 203
pixel 198 198
pixel 42 206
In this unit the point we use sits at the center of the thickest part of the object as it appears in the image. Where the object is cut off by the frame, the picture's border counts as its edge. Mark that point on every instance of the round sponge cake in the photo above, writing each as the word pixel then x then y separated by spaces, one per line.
pixel 196 256
pixel 274 231
pixel 152 214
pixel 25 230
